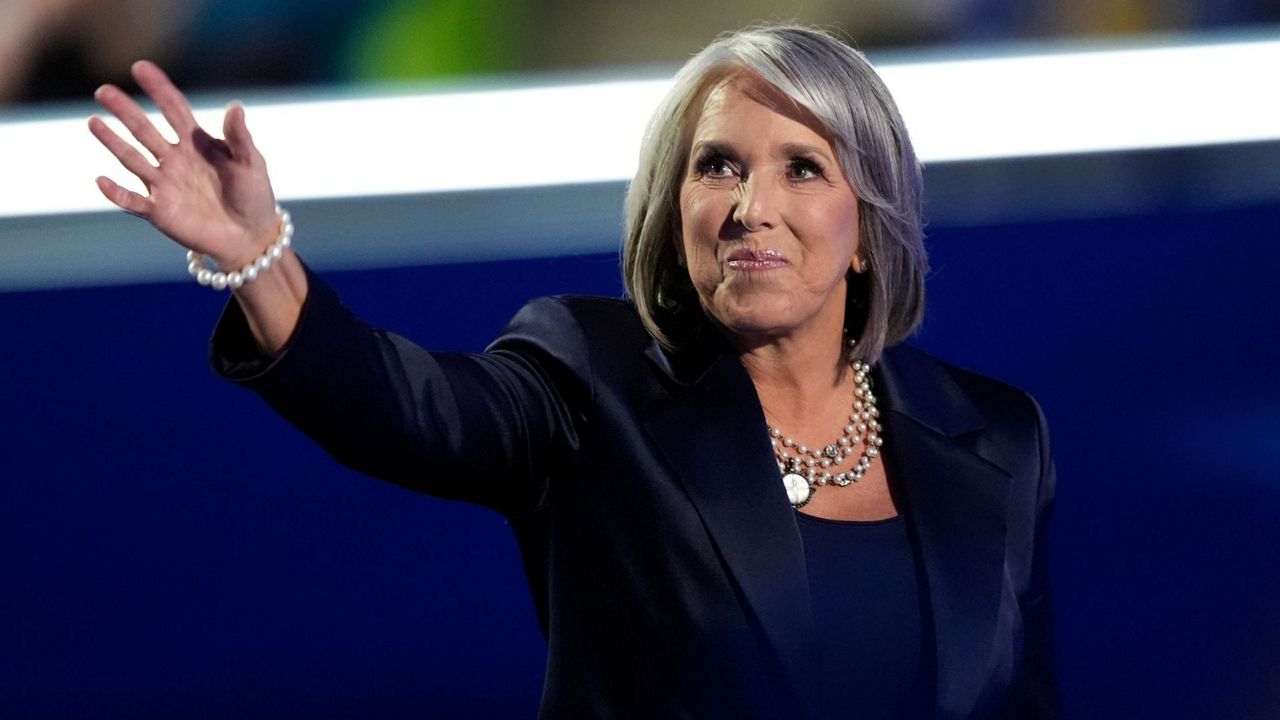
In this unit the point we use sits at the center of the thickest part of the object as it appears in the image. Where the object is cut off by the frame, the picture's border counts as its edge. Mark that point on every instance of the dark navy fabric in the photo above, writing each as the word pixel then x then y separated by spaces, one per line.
pixel 875 653
pixel 662 554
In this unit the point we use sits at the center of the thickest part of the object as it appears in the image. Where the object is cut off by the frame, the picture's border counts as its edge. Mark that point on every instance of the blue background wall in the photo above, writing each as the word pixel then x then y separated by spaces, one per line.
pixel 169 548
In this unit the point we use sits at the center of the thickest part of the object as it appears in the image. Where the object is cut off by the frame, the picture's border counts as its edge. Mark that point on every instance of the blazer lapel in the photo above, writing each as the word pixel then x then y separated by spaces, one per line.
pixel 956 504
pixel 712 430
pixel 954 498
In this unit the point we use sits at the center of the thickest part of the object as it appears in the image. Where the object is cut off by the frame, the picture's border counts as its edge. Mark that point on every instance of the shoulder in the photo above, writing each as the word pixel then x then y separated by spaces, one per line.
pixel 993 395
pixel 570 320
pixel 1005 421
pixel 580 335
pixel 586 309
pixel 926 372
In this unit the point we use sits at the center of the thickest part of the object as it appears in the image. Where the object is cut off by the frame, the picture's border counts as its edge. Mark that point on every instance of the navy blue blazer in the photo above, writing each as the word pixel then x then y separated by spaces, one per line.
pixel 661 551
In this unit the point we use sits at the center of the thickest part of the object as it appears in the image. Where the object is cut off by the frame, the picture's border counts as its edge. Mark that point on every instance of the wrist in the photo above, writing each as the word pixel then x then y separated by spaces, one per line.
pixel 256 243
pixel 233 273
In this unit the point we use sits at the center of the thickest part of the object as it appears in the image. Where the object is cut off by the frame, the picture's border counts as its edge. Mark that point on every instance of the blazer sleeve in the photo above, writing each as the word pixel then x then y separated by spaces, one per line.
pixel 486 428
pixel 1035 690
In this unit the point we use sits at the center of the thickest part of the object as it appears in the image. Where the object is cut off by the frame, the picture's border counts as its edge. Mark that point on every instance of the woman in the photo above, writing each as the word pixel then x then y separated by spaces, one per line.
pixel 736 493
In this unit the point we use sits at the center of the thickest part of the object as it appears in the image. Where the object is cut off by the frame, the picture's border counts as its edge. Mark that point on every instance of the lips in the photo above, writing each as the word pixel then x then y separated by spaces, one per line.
pixel 755 260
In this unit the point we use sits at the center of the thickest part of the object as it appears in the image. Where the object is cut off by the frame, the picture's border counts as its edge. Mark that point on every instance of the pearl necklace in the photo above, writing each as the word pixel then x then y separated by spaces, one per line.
pixel 804 470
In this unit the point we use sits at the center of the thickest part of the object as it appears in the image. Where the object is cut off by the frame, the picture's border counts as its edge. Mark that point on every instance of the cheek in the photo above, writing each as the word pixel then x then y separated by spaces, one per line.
pixel 699 223
pixel 694 204
pixel 838 224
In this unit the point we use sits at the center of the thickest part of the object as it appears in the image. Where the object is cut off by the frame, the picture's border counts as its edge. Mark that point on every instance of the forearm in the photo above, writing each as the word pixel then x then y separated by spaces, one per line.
pixel 471 427
pixel 273 302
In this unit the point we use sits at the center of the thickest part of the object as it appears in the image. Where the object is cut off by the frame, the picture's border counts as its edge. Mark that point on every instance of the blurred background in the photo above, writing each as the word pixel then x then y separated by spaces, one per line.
pixel 172 549
pixel 63 49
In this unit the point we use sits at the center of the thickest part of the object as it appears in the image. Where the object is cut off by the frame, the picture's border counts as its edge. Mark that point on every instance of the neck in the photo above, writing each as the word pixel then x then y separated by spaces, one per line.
pixel 802 383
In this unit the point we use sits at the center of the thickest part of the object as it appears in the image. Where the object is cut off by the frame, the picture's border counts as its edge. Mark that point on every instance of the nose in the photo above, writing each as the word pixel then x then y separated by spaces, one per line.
pixel 751 204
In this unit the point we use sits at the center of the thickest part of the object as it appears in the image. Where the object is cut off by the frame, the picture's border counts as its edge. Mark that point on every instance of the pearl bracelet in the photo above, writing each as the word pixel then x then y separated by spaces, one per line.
pixel 221 280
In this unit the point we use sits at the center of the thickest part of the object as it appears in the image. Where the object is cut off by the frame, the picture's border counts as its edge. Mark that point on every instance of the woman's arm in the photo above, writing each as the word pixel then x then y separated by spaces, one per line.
pixel 489 428
pixel 209 195
pixel 481 428
pixel 1035 687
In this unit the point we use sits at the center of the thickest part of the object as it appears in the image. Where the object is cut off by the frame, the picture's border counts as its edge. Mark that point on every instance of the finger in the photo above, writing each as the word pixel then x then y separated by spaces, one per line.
pixel 172 103
pixel 125 199
pixel 236 131
pixel 127 154
pixel 131 114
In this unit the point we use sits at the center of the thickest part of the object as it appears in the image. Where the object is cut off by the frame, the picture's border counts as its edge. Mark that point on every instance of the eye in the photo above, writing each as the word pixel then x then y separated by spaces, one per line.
pixel 714 165
pixel 802 168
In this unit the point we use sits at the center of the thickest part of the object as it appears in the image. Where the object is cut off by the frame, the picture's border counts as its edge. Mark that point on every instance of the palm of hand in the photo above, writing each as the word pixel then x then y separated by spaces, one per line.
pixel 209 195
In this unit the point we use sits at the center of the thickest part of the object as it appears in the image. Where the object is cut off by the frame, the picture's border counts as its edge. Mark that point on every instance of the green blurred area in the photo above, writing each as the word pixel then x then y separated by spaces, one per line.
pixel 410 39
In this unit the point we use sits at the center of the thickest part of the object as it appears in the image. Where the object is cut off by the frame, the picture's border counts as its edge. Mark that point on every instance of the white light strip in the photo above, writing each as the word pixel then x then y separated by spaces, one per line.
pixel 1089 101
pixel 382 146
pixel 971 109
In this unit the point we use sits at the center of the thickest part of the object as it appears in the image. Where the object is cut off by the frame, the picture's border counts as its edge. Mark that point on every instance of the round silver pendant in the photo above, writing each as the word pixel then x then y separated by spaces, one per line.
pixel 798 490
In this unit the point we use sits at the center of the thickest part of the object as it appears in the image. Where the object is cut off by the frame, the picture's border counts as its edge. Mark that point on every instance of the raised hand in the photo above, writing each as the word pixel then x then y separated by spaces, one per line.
pixel 209 195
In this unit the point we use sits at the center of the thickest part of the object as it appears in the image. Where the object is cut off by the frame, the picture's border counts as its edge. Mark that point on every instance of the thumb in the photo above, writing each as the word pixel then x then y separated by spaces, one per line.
pixel 236 132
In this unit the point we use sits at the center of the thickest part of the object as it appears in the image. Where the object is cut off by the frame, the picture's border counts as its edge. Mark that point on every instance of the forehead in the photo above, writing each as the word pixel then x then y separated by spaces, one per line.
pixel 746 98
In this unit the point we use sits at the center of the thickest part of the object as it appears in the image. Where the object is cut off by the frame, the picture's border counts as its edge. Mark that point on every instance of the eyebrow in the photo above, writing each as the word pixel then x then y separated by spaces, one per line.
pixel 802 149
pixel 788 149
pixel 703 146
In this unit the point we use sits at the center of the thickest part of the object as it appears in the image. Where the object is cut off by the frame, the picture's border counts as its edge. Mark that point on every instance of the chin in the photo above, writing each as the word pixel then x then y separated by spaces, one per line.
pixel 752 315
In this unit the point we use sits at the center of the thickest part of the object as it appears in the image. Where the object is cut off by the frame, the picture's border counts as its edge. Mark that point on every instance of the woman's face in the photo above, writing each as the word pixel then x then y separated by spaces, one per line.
pixel 769 224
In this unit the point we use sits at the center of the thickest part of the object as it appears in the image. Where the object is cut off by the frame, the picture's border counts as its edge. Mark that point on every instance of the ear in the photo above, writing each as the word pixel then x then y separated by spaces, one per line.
pixel 678 246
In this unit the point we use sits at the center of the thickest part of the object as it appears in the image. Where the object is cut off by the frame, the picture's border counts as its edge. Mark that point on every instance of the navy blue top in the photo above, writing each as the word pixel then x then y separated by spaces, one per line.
pixel 876 653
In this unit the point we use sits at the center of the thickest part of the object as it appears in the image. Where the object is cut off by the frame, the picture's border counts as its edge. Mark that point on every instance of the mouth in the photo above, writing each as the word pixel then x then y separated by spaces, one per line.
pixel 756 260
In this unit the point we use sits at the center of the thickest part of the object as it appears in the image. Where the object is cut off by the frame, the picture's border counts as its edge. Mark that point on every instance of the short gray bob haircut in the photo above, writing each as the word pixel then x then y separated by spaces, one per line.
pixel 835 83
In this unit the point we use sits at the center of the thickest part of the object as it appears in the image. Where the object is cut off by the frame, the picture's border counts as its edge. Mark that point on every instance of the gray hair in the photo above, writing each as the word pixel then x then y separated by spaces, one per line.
pixel 835 83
